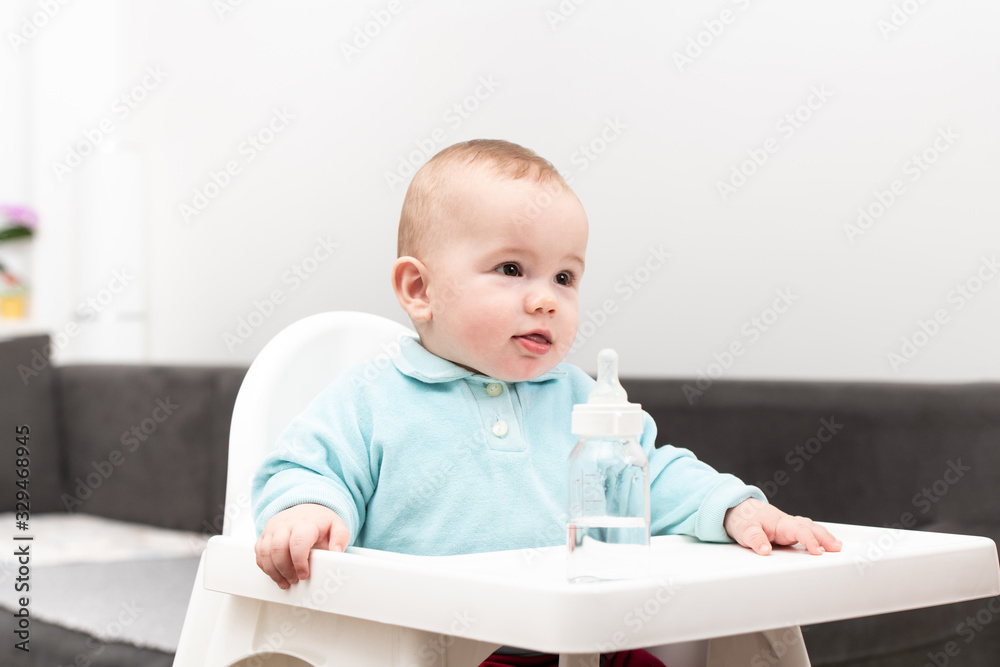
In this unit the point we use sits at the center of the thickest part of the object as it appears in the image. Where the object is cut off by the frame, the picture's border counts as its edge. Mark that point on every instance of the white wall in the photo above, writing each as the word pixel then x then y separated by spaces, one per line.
pixel 15 149
pixel 14 80
pixel 678 130
pixel 92 227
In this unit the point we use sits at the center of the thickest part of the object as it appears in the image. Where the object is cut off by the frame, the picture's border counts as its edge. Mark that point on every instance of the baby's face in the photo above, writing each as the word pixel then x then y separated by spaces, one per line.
pixel 504 286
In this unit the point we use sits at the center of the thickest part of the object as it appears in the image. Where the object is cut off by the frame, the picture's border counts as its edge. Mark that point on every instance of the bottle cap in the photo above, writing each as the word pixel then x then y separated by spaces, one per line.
pixel 607 411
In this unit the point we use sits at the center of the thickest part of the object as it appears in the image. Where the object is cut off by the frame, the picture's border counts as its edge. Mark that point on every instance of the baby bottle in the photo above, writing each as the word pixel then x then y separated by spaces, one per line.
pixel 608 484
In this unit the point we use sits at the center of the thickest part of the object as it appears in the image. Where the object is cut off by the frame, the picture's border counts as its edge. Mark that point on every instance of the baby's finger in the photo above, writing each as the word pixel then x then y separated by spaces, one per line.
pixel 280 556
pixel 754 537
pixel 340 535
pixel 804 535
pixel 826 538
pixel 302 539
pixel 789 529
pixel 257 552
pixel 263 549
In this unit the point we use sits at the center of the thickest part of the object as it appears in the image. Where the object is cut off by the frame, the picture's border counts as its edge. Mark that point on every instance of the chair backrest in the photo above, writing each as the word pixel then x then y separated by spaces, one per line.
pixel 287 374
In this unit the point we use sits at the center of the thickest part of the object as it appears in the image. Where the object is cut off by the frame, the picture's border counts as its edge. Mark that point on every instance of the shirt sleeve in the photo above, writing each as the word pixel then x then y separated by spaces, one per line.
pixel 322 457
pixel 688 496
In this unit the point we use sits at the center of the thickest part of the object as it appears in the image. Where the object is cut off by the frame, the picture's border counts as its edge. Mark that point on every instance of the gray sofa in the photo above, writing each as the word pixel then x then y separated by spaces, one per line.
pixel 873 454
pixel 170 428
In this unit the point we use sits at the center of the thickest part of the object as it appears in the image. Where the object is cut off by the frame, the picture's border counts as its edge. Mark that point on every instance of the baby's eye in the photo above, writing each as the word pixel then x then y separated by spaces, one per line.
pixel 564 278
pixel 509 269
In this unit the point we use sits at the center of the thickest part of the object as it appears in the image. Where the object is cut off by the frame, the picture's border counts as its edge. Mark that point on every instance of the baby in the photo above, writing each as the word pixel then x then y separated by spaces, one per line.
pixel 462 445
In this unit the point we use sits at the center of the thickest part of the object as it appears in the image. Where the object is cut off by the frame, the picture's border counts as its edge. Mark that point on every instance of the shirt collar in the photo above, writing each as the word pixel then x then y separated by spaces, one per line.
pixel 415 361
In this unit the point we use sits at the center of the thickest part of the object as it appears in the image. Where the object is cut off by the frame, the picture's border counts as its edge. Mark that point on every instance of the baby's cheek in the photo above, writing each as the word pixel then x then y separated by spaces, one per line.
pixel 479 332
pixel 570 323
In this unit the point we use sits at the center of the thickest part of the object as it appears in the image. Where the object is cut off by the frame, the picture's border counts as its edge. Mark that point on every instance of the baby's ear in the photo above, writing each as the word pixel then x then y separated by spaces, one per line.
pixel 409 282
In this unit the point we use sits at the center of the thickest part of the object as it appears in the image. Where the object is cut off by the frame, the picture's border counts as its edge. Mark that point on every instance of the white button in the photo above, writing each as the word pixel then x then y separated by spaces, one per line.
pixel 500 428
pixel 494 389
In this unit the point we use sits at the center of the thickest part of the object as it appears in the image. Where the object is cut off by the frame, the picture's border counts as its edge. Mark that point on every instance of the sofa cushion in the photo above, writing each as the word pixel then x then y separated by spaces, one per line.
pixel 862 453
pixel 154 435
pixel 906 455
pixel 26 386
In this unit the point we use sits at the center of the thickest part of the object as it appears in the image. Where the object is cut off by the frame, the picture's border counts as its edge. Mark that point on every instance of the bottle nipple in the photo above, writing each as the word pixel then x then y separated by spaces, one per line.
pixel 608 389
pixel 607 411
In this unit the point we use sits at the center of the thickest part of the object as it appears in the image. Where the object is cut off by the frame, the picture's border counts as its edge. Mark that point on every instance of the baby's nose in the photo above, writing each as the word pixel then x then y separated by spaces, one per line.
pixel 542 301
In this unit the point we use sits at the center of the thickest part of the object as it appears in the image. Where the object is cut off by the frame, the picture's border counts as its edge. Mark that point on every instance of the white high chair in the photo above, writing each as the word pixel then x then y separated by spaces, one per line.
pixel 712 605
pixel 242 619
pixel 241 629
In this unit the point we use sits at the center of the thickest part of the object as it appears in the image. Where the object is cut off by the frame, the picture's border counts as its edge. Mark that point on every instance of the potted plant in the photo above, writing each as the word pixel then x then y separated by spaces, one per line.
pixel 17 225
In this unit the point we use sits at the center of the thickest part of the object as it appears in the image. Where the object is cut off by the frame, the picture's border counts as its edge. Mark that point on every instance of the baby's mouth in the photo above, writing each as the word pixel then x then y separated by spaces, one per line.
pixel 537 337
pixel 537 343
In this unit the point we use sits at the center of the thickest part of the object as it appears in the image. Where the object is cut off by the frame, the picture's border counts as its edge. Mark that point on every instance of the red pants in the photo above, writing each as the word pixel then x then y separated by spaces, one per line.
pixel 636 658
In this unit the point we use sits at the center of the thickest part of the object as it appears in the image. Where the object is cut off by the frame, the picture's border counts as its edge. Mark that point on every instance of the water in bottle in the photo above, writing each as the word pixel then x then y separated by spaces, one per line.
pixel 608 528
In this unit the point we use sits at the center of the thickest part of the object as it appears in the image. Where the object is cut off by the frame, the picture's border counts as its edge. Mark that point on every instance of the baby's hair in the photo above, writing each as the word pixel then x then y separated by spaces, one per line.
pixel 428 191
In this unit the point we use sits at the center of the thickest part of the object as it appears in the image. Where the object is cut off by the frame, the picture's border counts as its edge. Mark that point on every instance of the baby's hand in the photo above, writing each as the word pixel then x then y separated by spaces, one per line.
pixel 283 547
pixel 755 525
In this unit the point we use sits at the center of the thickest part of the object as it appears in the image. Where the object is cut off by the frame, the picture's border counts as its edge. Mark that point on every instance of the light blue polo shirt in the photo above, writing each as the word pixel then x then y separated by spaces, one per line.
pixel 425 457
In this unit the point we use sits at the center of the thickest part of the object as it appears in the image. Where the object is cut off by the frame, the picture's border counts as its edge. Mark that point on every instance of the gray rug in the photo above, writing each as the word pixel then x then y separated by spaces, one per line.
pixel 135 602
